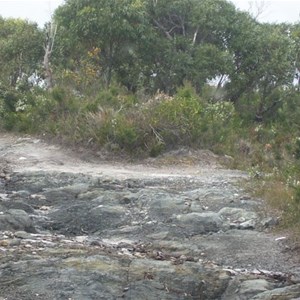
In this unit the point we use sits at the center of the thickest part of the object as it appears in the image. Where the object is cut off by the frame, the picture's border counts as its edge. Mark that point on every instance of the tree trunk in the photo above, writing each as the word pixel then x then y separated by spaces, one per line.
pixel 47 69
pixel 51 32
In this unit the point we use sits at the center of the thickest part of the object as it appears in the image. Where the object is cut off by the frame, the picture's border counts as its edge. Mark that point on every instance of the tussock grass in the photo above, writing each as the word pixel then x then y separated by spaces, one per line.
pixel 280 201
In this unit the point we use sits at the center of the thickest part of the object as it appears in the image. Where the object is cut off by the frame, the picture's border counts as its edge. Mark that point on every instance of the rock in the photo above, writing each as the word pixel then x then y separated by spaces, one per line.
pixel 16 219
pixel 250 224
pixel 159 236
pixel 163 280
pixel 15 242
pixel 19 205
pixel 22 194
pixel 246 289
pixel 75 189
pixel 199 223
pixel 295 278
pixel 269 222
pixel 45 208
pixel 83 218
pixel 237 215
pixel 163 204
pixel 129 198
pixel 153 236
pixel 22 235
pixel 37 197
pixel 250 287
pixel 4 243
pixel 287 293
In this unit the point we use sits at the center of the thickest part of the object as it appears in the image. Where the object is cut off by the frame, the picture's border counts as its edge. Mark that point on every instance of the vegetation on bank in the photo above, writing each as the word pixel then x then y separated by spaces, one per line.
pixel 144 77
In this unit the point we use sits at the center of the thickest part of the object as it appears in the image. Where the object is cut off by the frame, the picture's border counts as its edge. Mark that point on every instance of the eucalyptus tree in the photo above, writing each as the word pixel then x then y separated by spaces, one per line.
pixel 195 39
pixel 21 50
pixel 154 44
pixel 113 27
pixel 159 44
pixel 263 64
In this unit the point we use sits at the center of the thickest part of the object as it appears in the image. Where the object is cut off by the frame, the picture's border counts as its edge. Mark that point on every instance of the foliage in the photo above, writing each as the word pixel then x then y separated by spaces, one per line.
pixel 263 71
pixel 21 50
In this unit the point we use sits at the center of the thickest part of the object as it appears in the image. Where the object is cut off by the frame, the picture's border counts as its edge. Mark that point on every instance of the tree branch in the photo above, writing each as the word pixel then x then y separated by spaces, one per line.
pixel 195 36
pixel 163 29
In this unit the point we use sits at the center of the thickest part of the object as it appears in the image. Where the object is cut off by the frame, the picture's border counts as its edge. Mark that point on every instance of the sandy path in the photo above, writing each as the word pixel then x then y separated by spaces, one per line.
pixel 32 154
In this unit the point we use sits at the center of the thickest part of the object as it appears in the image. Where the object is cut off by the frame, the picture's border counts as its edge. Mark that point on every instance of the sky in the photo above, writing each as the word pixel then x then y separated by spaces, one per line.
pixel 40 11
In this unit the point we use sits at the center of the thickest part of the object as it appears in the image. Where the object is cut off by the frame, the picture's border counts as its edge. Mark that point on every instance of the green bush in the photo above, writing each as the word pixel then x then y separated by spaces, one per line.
pixel 186 119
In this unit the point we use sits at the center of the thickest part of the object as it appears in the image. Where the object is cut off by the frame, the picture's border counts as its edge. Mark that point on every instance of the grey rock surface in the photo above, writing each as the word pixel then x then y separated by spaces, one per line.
pixel 16 219
pixel 135 232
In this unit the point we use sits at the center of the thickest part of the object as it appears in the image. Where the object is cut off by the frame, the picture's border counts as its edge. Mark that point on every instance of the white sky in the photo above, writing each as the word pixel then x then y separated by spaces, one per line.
pixel 40 10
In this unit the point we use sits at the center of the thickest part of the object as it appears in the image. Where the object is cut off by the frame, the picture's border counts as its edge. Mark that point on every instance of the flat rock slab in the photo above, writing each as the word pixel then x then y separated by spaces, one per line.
pixel 98 230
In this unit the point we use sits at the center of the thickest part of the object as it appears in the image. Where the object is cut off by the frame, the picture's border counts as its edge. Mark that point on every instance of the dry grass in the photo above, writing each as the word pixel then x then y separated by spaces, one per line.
pixel 280 202
pixel 277 194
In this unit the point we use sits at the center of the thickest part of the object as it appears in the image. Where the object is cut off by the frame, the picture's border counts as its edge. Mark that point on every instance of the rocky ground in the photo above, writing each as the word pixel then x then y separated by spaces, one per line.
pixel 74 226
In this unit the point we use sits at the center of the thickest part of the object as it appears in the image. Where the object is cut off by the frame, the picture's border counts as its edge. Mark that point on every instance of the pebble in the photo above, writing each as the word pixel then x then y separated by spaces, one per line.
pixel 45 208
pixel 4 243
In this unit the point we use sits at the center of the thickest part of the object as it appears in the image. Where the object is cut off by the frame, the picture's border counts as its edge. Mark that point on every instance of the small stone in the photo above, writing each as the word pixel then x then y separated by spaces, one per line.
pixel 8 234
pixel 81 239
pixel 37 197
pixel 269 222
pixel 247 225
pixel 4 243
pixel 45 208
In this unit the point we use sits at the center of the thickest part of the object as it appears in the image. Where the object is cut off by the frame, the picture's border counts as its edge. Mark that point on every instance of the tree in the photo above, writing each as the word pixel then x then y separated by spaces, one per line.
pixel 112 26
pixel 21 50
pixel 295 35
pixel 154 44
pixel 263 58
pixel 196 37
pixel 158 45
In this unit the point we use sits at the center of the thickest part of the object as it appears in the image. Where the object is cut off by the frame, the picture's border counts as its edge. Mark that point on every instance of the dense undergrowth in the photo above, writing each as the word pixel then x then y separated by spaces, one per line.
pixel 139 125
